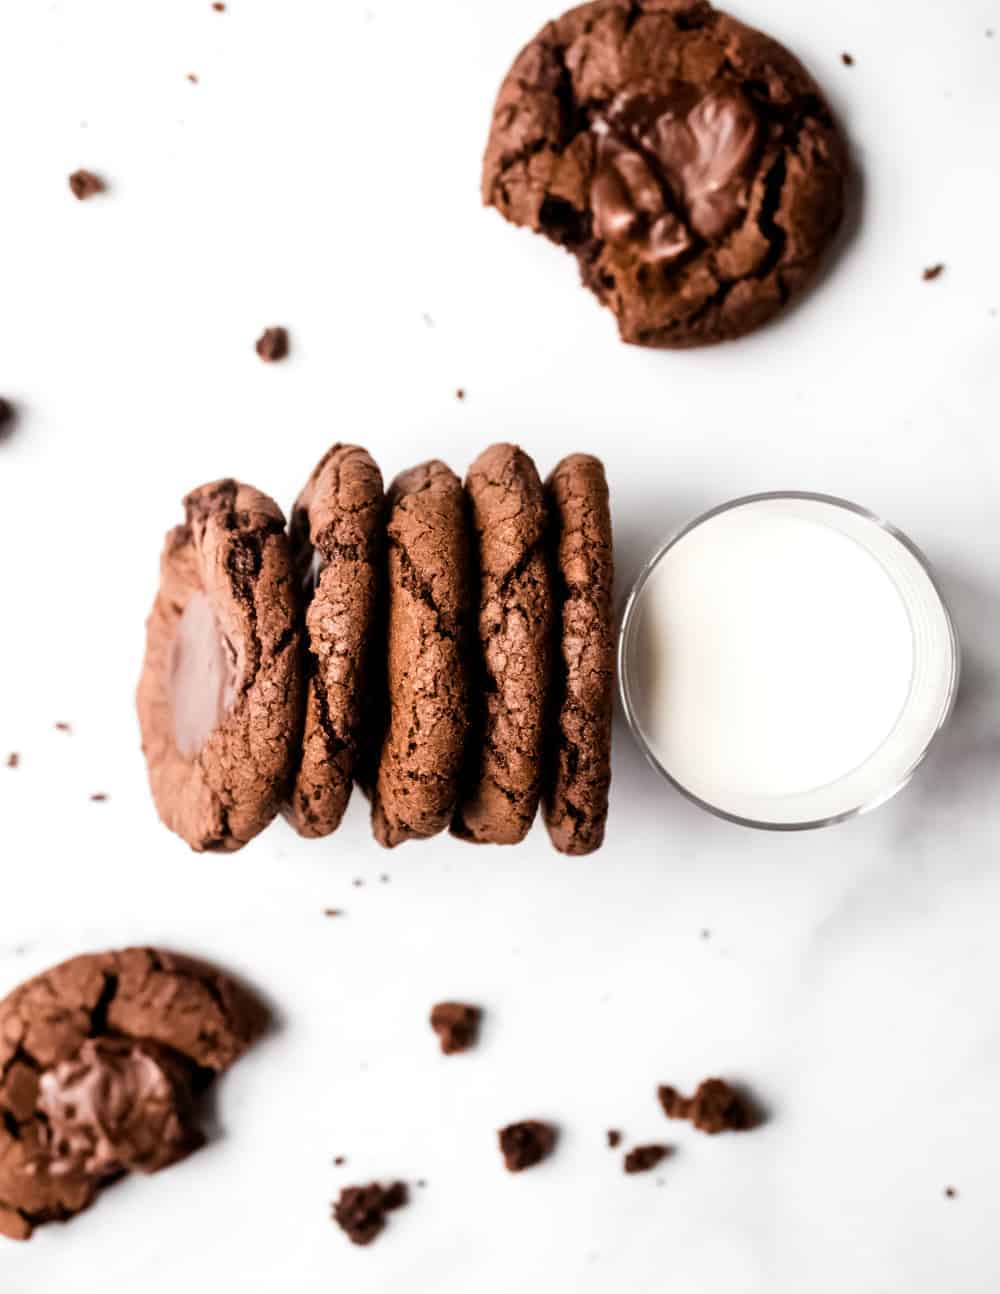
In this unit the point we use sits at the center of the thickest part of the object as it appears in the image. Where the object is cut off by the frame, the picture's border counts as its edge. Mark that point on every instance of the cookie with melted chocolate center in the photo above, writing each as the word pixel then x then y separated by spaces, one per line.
pixel 101 1059
pixel 220 695
pixel 689 162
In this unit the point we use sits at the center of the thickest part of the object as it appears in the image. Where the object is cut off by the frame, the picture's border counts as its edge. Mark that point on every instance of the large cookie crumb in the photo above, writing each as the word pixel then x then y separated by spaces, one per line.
pixel 525 1144
pixel 715 1107
pixel 360 1210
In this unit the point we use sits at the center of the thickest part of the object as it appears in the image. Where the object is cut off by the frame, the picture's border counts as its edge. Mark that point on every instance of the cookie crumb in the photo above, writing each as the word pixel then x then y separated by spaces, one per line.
pixel 340 1159
pixel 13 759
pixel 99 797
pixel 715 1107
pixel 847 60
pixel 333 912
pixel 706 934
pixel 6 416
pixel 63 727
pixel 641 1159
pixel 456 1025
pixel 385 878
pixel 192 77
pixel 933 272
pixel 357 882
pixel 614 1138
pixel 272 344
pixel 525 1144
pixel 460 393
pixel 85 184
pixel 219 7
pixel 950 1192
pixel 360 1210
pixel 421 1182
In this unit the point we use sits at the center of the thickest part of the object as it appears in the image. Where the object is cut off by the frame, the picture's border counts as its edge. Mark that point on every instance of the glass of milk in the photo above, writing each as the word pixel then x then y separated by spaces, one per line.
pixel 786 660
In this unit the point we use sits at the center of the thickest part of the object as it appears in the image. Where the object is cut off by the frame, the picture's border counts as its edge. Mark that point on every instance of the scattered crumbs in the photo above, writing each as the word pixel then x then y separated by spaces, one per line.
pixel 357 882
pixel 933 272
pixel 640 1159
pixel 950 1192
pixel 192 77
pixel 63 727
pixel 272 344
pixel 85 184
pixel 715 1107
pixel 614 1138
pixel 333 912
pixel 360 1210
pixel 847 60
pixel 428 319
pixel 340 1159
pixel 13 759
pixel 456 1025
pixel 460 393
pixel 525 1144
pixel 99 797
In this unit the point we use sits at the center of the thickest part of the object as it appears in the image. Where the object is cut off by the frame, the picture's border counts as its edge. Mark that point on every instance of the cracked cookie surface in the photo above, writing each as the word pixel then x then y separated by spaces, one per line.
pixel 503 782
pixel 689 162
pixel 336 533
pixel 101 1059
pixel 578 772
pixel 429 607
pixel 220 695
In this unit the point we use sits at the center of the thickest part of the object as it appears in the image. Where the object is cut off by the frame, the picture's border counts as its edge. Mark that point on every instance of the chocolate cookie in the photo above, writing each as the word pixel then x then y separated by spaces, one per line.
pixel 101 1059
pixel 690 163
pixel 336 534
pixel 429 612
pixel 500 798
pixel 579 762
pixel 220 696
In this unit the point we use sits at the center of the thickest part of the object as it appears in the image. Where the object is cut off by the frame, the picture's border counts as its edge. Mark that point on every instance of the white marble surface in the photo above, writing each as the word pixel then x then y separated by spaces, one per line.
pixel 323 174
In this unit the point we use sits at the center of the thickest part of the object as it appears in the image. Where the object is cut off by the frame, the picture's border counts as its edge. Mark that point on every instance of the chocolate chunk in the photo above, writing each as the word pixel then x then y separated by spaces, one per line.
pixel 456 1024
pixel 641 1159
pixel 360 1210
pixel 614 1138
pixel 933 272
pixel 715 1107
pixel 272 344
pixel 525 1144
pixel 101 1059
pixel 85 184
pixel 689 163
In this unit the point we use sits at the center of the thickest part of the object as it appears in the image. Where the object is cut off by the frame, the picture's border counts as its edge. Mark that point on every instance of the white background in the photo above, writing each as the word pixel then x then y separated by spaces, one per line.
pixel 323 174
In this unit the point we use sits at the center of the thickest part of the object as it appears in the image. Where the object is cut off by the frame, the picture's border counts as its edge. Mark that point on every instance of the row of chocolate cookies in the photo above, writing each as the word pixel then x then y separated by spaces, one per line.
pixel 448 647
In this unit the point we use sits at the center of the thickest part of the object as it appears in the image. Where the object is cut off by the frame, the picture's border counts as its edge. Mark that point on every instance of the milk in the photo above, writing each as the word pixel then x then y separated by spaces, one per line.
pixel 773 657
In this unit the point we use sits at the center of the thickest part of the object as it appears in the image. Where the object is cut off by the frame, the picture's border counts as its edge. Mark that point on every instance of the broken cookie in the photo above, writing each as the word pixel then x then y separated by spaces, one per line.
pixel 101 1061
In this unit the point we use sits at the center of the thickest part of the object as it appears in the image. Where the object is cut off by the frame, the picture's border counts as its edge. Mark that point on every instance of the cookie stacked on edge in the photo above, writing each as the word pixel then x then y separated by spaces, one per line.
pixel 449 647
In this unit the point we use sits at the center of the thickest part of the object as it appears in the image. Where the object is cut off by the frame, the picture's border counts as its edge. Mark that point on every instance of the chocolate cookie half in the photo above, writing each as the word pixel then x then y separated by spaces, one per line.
pixel 429 613
pixel 579 762
pixel 336 535
pixel 101 1059
pixel 220 696
pixel 689 162
pixel 507 503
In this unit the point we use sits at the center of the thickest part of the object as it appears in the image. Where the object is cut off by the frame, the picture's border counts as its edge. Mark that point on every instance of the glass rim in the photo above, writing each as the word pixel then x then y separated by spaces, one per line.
pixel 627 620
